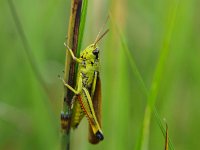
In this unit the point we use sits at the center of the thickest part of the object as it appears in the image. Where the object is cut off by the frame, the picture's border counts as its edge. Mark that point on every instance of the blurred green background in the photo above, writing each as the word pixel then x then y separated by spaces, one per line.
pixel 30 114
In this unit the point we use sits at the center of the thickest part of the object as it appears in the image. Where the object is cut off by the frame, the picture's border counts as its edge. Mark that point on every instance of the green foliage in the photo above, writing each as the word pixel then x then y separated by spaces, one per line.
pixel 131 62
pixel 158 74
pixel 82 27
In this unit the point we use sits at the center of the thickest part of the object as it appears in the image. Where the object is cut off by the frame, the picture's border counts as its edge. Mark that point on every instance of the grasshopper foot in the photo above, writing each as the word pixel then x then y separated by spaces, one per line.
pixel 64 119
pixel 59 77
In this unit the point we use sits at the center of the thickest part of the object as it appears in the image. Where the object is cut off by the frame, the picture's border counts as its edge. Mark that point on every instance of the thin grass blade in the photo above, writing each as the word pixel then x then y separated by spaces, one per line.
pixel 136 72
pixel 143 144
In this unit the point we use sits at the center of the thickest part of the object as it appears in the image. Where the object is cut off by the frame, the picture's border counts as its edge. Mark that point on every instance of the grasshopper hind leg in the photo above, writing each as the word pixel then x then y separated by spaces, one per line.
pixel 87 106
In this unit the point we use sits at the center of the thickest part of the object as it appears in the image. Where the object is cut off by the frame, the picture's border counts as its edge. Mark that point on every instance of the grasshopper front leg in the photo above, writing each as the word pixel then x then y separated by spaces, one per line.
pixel 65 117
pixel 79 86
pixel 72 54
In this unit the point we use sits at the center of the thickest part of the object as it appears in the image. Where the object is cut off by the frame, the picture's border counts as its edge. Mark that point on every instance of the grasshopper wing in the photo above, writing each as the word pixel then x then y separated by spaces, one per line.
pixel 97 104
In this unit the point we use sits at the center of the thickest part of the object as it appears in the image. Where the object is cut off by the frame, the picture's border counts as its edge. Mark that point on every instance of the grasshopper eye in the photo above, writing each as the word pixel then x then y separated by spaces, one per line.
pixel 96 51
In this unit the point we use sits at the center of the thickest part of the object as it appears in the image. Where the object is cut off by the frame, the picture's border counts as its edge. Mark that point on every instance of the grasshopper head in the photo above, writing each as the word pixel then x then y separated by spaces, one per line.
pixel 91 52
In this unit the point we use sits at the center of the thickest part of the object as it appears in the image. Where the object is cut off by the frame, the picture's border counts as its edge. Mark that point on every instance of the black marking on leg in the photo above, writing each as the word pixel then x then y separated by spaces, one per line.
pixel 64 117
pixel 99 135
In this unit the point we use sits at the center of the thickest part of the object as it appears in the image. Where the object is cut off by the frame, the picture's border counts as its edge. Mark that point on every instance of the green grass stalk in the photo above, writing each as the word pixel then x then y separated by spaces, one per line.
pixel 143 143
pixel 74 40
pixel 136 72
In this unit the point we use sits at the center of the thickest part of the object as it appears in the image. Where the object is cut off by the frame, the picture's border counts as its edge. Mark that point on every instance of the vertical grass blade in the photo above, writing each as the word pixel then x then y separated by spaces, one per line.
pixel 75 34
pixel 137 74
pixel 81 29
pixel 82 25
pixel 26 45
pixel 31 59
pixel 143 86
pixel 143 144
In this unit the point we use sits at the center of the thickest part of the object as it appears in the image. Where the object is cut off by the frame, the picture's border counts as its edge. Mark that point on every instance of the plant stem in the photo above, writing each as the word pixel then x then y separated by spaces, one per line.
pixel 70 74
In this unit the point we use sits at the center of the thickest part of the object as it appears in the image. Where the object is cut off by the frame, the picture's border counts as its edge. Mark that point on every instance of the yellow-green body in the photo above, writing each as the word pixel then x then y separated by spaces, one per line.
pixel 88 70
pixel 89 65
pixel 86 73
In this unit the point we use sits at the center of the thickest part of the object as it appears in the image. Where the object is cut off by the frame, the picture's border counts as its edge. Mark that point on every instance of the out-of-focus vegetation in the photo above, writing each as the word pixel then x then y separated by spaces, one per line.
pixel 29 113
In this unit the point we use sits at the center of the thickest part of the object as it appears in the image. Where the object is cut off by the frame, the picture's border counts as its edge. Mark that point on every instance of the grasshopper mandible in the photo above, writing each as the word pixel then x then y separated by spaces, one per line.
pixel 85 101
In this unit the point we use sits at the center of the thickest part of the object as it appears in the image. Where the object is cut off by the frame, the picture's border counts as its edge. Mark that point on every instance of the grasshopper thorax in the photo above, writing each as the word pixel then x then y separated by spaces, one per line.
pixel 90 53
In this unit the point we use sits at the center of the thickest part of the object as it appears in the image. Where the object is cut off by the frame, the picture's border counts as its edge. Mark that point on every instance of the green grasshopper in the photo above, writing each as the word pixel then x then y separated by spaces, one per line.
pixel 87 98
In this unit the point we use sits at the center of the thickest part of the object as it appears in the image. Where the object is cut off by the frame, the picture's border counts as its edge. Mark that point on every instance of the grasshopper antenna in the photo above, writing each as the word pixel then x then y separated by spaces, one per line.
pixel 96 41
pixel 98 38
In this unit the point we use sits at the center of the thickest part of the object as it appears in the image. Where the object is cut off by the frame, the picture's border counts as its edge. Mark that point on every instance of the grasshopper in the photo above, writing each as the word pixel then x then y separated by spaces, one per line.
pixel 87 99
